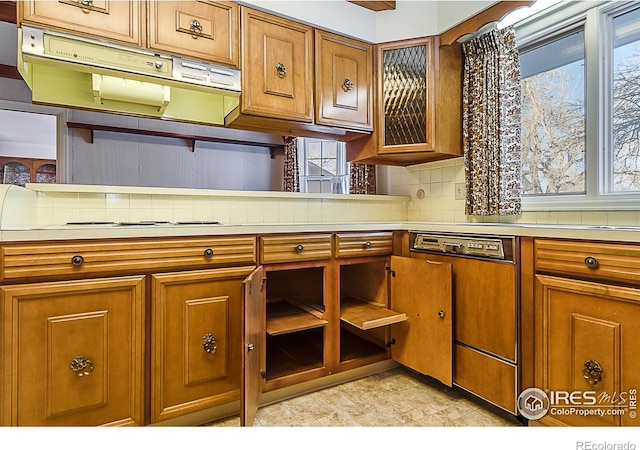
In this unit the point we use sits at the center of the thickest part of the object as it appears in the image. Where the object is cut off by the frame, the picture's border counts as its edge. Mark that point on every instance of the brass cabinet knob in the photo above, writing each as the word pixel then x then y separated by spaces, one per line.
pixel 441 314
pixel 77 260
pixel 196 28
pixel 81 366
pixel 209 343
pixel 591 262
pixel 86 3
pixel 592 371
pixel 281 69
pixel 367 244
pixel 347 85
pixel 299 248
pixel 208 252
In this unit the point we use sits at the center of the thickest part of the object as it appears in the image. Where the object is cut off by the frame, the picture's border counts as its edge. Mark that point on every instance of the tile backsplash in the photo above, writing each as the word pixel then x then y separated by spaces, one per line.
pixel 438 180
pixel 57 208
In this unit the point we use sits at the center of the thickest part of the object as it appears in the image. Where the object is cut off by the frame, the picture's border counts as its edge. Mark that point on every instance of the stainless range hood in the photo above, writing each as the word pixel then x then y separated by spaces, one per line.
pixel 77 72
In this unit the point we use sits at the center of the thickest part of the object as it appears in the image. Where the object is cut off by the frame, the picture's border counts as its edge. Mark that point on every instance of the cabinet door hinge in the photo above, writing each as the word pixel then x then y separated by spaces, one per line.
pixel 392 272
pixel 263 374
pixel 390 343
pixel 263 285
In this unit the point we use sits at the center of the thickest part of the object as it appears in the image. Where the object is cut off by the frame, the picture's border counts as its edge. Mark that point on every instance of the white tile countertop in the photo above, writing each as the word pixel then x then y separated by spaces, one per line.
pixel 70 232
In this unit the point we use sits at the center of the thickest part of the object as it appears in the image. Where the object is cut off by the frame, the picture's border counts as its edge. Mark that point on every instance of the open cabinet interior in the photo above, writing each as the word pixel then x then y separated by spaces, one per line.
pixel 364 313
pixel 295 321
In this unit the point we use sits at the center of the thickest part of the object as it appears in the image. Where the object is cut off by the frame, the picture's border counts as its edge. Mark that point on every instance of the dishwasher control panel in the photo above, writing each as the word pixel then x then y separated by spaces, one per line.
pixel 460 245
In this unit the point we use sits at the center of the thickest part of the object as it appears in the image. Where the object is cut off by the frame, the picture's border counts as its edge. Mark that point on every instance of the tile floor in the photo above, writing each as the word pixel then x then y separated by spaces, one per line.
pixel 394 398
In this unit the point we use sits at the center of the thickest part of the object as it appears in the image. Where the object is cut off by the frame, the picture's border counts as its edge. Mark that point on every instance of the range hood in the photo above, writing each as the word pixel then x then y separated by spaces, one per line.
pixel 72 71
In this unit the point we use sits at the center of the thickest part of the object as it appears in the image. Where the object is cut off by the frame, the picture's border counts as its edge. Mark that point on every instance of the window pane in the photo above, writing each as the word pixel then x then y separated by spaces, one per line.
pixel 329 149
pixel 329 167
pixel 626 101
pixel 553 117
pixel 314 149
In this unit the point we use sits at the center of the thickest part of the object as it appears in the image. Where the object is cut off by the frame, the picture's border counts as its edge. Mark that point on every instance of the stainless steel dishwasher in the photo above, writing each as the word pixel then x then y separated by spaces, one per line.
pixel 486 310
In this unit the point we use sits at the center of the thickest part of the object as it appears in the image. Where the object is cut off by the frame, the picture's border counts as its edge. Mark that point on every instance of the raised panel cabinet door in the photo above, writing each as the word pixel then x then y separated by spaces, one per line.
pixel 110 19
pixel 344 76
pixel 587 336
pixel 253 352
pixel 196 336
pixel 277 67
pixel 422 290
pixel 76 352
pixel 199 29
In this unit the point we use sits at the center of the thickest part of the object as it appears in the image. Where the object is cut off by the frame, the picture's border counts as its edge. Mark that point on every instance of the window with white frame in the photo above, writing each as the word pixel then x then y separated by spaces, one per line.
pixel 581 106
pixel 323 166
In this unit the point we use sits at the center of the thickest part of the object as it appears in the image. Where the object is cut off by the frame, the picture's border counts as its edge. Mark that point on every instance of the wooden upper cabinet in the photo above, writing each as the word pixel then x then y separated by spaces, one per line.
pixel 110 19
pixel 406 94
pixel 344 75
pixel 277 67
pixel 199 29
pixel 418 104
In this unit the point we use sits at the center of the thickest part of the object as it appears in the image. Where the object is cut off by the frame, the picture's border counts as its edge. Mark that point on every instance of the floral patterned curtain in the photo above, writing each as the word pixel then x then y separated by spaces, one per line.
pixel 491 124
pixel 363 178
pixel 291 170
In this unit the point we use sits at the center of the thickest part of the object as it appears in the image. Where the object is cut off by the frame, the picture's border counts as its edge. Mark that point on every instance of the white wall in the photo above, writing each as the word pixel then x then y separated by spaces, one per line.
pixel 411 18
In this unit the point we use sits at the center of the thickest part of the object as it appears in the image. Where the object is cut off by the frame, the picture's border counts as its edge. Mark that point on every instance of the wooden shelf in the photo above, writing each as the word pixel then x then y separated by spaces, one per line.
pixel 191 139
pixel 290 315
pixel 291 354
pixel 366 315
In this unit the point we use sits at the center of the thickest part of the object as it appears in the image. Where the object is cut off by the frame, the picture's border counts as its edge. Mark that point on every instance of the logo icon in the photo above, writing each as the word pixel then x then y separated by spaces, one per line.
pixel 533 403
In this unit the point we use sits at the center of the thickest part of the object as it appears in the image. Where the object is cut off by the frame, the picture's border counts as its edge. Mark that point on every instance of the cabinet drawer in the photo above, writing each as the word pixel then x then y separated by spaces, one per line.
pixel 115 20
pixel 363 244
pixel 64 259
pixel 596 260
pixel 203 30
pixel 303 247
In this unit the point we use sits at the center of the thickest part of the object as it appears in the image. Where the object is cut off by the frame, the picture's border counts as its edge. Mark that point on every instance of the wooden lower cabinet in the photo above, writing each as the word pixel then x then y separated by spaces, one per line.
pixel 586 339
pixel 73 353
pixel 329 316
pixel 197 329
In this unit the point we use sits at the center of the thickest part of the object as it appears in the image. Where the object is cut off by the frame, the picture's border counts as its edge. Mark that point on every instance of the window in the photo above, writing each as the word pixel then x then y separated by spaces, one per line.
pixel 323 166
pixel 553 139
pixel 625 176
pixel 580 95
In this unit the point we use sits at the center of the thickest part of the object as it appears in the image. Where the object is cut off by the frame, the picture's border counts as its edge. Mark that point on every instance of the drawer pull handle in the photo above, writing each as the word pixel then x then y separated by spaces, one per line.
pixel 592 372
pixel 281 69
pixel 299 248
pixel 77 260
pixel 250 347
pixel 196 28
pixel 441 314
pixel 81 366
pixel 591 262
pixel 209 343
pixel 367 244
pixel 347 85
pixel 208 252
pixel 86 3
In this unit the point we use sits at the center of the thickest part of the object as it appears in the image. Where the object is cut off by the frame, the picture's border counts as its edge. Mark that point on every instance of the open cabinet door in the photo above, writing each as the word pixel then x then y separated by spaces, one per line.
pixel 253 337
pixel 423 291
